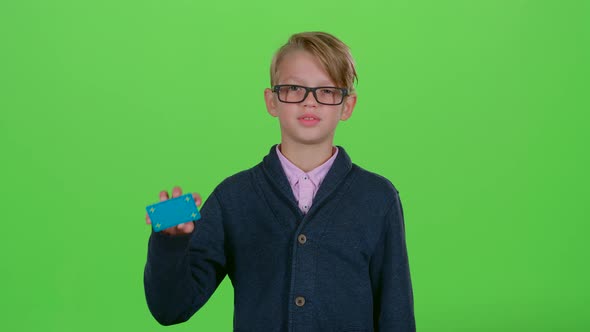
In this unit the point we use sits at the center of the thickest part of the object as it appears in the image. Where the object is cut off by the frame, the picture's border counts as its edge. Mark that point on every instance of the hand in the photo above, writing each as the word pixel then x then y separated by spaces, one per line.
pixel 180 229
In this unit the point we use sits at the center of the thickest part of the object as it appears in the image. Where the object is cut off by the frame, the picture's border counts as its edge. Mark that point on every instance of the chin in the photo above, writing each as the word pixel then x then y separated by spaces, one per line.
pixel 312 137
pixel 311 140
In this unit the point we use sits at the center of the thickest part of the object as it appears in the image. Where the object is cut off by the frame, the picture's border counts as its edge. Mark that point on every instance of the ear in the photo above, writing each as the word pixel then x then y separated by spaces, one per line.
pixel 271 102
pixel 348 107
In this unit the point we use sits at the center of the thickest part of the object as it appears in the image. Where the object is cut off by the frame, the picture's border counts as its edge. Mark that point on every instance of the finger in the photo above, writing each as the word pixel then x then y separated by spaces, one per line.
pixel 198 199
pixel 148 220
pixel 182 227
pixel 185 228
pixel 163 195
pixel 177 191
pixel 170 230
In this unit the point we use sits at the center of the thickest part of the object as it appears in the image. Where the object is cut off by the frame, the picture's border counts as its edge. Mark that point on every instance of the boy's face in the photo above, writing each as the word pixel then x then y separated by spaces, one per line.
pixel 301 68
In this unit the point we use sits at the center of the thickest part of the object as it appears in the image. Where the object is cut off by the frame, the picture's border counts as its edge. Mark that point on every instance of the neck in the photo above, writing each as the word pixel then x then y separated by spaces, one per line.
pixel 307 157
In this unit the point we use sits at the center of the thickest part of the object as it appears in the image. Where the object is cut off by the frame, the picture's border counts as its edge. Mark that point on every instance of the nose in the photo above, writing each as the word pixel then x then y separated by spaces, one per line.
pixel 310 100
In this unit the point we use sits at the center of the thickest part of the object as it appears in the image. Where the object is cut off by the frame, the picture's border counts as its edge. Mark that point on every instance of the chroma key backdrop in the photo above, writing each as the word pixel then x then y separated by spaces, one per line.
pixel 477 111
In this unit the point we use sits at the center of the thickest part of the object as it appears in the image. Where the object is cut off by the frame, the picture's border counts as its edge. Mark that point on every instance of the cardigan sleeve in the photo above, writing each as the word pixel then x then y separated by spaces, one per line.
pixel 393 304
pixel 182 272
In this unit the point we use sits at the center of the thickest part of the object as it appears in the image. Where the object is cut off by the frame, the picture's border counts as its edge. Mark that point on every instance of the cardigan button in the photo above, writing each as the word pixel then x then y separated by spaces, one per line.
pixel 300 301
pixel 302 238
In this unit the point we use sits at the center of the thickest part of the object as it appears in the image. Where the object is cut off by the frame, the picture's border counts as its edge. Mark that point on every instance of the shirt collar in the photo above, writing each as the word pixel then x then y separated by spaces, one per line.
pixel 272 172
pixel 294 173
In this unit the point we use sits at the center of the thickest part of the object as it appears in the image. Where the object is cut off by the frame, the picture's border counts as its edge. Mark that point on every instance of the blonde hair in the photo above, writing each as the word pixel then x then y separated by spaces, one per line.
pixel 334 57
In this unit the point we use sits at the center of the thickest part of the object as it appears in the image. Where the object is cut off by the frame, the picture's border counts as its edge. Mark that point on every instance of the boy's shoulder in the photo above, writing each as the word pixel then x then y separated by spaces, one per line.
pixel 373 191
pixel 373 180
pixel 235 181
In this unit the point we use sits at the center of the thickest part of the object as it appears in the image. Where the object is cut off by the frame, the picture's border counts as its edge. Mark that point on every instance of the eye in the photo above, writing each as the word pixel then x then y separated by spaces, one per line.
pixel 294 88
pixel 327 91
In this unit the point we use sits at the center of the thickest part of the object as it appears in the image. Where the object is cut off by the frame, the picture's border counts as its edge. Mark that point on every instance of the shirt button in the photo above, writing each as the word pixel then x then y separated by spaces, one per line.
pixel 305 178
pixel 300 301
pixel 302 238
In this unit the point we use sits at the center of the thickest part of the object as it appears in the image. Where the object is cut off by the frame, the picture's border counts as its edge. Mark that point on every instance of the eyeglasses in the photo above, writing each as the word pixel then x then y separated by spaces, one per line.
pixel 326 95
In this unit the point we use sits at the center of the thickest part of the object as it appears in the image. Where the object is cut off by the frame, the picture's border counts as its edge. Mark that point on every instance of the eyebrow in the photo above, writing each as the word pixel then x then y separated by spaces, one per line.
pixel 299 81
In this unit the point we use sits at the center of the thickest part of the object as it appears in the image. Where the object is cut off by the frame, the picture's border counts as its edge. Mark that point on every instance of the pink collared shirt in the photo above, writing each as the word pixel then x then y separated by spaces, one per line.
pixel 305 185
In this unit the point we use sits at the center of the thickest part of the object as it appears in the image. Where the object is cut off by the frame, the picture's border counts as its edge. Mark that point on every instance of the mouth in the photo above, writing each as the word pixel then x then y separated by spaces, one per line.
pixel 308 120
pixel 308 116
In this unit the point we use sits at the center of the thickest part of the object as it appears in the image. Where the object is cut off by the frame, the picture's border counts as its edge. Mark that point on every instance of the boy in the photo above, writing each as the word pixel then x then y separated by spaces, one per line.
pixel 310 241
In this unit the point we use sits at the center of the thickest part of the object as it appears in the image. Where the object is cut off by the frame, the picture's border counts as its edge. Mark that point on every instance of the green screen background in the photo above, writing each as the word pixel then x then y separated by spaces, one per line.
pixel 475 110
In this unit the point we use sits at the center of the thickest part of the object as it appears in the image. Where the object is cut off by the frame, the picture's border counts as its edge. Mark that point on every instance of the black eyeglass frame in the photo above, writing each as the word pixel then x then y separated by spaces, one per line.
pixel 275 89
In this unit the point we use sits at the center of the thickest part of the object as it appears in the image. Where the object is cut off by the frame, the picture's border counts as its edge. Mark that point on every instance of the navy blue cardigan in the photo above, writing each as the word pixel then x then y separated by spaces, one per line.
pixel 341 267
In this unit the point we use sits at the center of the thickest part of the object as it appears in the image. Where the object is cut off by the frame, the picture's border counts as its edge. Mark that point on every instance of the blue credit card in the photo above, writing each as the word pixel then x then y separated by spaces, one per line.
pixel 172 212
